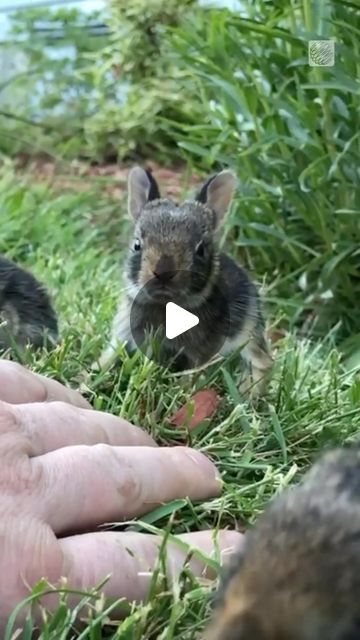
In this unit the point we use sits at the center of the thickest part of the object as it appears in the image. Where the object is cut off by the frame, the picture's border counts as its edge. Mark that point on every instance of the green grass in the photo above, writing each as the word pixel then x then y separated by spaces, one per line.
pixel 75 243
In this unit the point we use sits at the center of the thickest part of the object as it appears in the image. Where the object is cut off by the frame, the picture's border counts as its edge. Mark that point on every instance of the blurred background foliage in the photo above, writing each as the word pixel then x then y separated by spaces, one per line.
pixel 176 81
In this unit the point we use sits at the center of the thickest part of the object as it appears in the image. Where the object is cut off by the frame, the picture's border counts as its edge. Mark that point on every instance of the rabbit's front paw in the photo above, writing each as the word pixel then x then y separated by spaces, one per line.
pixel 254 385
pixel 260 363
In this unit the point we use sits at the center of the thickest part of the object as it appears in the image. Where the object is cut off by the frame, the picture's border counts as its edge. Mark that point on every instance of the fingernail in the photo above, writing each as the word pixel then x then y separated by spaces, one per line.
pixel 232 543
pixel 206 465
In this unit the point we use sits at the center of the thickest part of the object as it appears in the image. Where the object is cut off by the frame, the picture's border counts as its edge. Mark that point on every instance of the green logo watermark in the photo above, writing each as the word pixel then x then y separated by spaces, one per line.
pixel 321 53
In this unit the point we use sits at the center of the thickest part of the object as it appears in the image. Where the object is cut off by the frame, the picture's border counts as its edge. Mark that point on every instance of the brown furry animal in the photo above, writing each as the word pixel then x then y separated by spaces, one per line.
pixel 298 577
pixel 174 256
pixel 27 316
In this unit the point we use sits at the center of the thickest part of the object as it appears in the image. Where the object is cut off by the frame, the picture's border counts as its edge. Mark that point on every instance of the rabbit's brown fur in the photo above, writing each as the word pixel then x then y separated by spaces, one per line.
pixel 298 577
pixel 174 253
pixel 26 312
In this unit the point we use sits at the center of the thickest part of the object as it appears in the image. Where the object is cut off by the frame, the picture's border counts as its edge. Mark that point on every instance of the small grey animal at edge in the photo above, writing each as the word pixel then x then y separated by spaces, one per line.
pixel 174 246
pixel 26 313
pixel 297 576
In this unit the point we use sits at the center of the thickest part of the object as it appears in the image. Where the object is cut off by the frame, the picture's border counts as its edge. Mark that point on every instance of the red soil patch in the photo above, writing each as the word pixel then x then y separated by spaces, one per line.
pixel 79 176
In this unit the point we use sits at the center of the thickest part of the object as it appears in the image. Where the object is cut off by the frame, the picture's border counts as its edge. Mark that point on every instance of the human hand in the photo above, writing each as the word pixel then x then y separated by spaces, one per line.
pixel 64 471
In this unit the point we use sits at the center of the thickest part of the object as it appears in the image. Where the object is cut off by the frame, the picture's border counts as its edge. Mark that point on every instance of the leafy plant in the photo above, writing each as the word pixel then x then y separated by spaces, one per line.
pixel 291 132
pixel 139 31
pixel 139 49
pixel 103 97
pixel 45 103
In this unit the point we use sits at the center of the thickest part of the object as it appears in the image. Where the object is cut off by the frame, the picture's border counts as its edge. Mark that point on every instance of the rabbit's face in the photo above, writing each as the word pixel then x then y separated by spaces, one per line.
pixel 173 251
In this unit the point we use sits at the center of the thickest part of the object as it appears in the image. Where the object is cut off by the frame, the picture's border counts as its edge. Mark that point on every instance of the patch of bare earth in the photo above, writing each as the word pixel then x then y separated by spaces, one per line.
pixel 80 176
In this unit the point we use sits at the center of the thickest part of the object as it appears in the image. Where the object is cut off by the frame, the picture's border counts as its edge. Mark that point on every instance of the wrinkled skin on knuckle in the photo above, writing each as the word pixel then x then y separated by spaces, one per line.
pixel 112 483
pixel 19 476
pixel 29 552
pixel 125 487
pixel 124 476
pixel 14 440
pixel 129 488
pixel 12 374
pixel 8 421
pixel 20 479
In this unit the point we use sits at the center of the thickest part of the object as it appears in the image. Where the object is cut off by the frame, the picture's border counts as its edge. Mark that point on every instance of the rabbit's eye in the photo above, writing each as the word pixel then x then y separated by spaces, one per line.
pixel 200 250
pixel 137 245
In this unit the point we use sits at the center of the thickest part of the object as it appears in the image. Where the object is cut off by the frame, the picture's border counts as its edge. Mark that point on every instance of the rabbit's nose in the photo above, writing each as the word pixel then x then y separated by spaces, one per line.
pixel 164 270
pixel 164 276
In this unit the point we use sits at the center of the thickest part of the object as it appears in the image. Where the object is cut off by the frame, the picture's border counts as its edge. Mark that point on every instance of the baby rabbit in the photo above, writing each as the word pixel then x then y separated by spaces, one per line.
pixel 26 314
pixel 174 256
pixel 298 576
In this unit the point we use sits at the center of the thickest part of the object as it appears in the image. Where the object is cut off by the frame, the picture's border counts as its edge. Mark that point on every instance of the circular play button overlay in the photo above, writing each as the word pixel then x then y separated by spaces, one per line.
pixel 177 326
pixel 178 320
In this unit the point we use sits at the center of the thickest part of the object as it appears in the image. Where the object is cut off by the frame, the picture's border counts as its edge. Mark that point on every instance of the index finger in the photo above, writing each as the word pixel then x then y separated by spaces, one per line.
pixel 20 386
pixel 106 483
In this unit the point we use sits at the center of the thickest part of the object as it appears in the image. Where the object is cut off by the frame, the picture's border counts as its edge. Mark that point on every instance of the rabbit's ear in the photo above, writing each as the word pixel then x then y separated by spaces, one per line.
pixel 142 188
pixel 217 193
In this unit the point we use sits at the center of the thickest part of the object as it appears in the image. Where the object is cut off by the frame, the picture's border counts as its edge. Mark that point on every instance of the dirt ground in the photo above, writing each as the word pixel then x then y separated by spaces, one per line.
pixel 78 175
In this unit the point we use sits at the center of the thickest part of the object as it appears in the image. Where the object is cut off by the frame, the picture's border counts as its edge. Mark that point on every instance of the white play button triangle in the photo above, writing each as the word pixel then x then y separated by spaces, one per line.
pixel 178 320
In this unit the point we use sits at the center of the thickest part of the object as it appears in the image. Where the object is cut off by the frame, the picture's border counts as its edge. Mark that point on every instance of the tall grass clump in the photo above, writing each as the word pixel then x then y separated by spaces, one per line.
pixel 292 133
